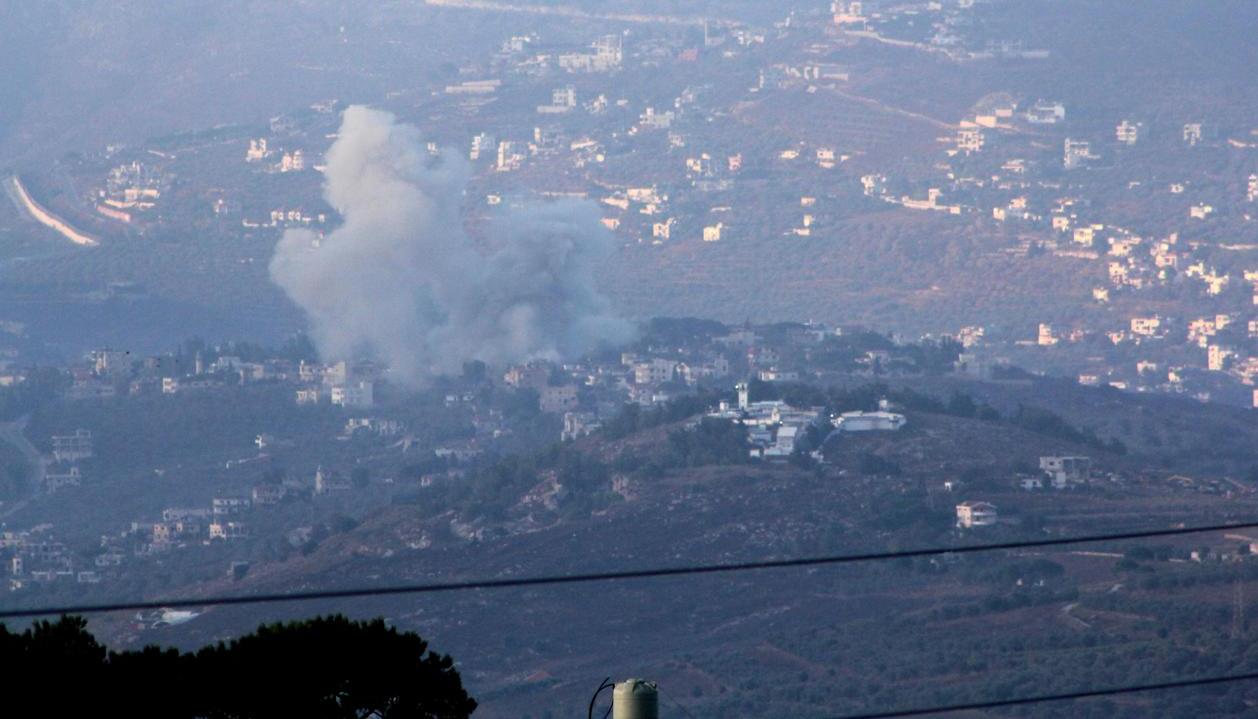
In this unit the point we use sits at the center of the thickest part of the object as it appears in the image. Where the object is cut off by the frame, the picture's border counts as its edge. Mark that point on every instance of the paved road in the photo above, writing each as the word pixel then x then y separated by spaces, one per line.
pixel 13 186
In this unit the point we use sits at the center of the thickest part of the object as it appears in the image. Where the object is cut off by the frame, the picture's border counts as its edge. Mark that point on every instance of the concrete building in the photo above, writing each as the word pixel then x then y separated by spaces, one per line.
pixel 257 150
pixel 226 506
pixel 976 514
pixel 532 376
pixel 328 482
pixel 970 139
pixel 228 530
pixel 1064 471
pixel 1146 326
pixel 1046 113
pixel 1128 132
pixel 562 100
pixel 1076 153
pixel 307 396
pixel 1192 134
pixel 72 447
pixel 558 399
pixel 848 14
pixel 880 421
pixel 358 394
pixel 654 371
pixel 1045 337
pixel 55 481
pixel 578 424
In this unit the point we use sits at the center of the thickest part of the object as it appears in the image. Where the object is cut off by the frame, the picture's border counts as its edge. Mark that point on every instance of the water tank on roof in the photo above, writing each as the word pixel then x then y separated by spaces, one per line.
pixel 636 699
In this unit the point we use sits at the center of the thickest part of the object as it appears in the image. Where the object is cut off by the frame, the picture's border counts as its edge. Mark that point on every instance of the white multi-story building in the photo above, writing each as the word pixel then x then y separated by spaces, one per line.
pixel 562 100
pixel 558 399
pixel 1217 357
pixel 1146 326
pixel 257 150
pixel 880 421
pixel 607 56
pixel 1128 132
pixel 1076 153
pixel 848 13
pixel 358 394
pixel 1046 113
pixel 578 424
pixel 1046 338
pixel 970 139
pixel 976 514
pixel 1065 470
pixel 72 447
pixel 654 371
pixel 223 506
pixel 1192 133
pixel 510 156
pixel 228 530
pixel 294 161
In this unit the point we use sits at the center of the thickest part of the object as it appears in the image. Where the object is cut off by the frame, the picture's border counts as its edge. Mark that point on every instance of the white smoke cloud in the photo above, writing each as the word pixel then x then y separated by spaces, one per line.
pixel 399 279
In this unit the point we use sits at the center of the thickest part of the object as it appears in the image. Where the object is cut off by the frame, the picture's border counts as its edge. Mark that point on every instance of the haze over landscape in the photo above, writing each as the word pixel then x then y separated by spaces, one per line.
pixel 310 296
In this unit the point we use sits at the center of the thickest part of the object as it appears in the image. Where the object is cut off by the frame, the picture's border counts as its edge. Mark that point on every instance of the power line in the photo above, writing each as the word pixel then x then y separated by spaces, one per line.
pixel 1131 689
pixel 537 581
pixel 679 705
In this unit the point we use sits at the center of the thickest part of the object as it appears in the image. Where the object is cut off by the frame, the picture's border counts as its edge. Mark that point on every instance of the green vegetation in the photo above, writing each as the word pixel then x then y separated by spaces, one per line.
pixel 325 667
pixel 42 385
pixel 633 418
pixel 1042 421
pixel 1014 639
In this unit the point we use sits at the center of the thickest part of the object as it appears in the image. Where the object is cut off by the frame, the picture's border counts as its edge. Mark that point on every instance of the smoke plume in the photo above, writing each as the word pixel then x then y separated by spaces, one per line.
pixel 400 280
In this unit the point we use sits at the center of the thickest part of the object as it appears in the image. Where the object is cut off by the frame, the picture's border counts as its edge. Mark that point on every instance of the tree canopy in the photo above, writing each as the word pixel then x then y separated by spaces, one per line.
pixel 327 667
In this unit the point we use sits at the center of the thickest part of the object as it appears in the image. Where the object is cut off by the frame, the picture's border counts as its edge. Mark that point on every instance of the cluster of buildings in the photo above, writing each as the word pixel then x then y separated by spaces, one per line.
pixel 108 373
pixel 1058 216
pixel 1153 349
pixel 1056 472
pixel 35 557
pixel 131 188
pixel 289 161
pixel 336 384
pixel 588 393
pixel 776 430
pixel 61 469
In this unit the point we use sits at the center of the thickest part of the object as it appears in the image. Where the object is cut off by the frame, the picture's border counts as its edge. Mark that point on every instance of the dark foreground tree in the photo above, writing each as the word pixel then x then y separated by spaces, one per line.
pixel 325 667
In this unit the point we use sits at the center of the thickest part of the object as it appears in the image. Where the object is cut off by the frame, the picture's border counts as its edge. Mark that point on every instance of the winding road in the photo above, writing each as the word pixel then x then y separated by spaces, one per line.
pixel 25 202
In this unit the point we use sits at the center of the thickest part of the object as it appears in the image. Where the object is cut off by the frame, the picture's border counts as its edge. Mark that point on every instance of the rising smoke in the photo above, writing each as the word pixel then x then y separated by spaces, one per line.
pixel 401 281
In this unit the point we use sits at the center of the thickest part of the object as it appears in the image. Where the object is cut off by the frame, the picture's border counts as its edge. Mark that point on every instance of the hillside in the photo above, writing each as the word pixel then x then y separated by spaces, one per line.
pixel 719 643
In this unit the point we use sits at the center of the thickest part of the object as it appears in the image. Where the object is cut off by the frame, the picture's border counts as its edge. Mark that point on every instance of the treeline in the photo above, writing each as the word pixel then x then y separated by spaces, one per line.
pixel 634 418
pixel 494 488
pixel 324 667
